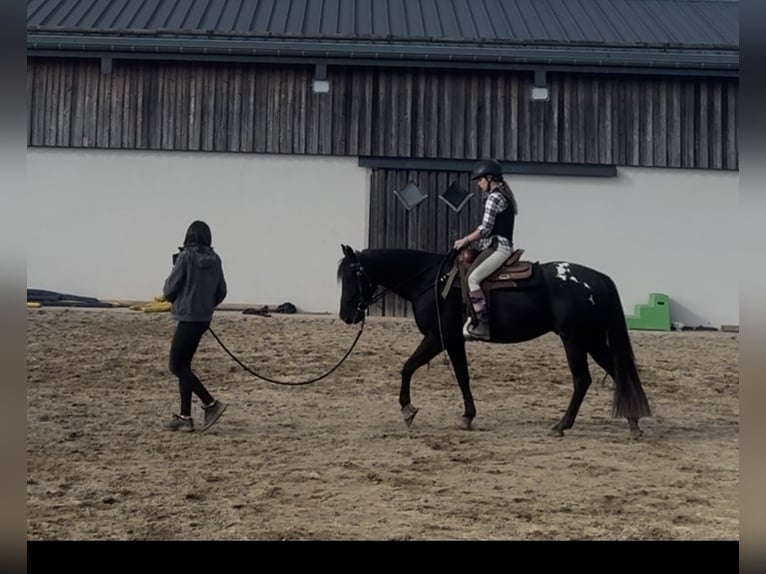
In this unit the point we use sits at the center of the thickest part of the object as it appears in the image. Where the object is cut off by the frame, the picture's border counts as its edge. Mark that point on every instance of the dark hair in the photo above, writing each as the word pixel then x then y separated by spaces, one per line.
pixel 198 233
pixel 504 188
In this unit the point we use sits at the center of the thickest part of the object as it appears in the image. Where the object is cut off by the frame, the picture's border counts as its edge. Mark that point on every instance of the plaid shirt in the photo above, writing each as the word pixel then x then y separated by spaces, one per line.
pixel 496 202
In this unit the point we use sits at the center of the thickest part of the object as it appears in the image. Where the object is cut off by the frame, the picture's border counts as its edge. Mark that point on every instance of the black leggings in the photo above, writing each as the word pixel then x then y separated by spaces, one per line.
pixel 182 349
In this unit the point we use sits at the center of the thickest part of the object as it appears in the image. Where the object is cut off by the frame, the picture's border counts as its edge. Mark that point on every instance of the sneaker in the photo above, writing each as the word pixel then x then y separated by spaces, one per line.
pixel 212 414
pixel 179 423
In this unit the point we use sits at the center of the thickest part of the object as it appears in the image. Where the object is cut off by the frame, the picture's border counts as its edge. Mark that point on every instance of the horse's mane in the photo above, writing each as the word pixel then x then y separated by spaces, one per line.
pixel 395 252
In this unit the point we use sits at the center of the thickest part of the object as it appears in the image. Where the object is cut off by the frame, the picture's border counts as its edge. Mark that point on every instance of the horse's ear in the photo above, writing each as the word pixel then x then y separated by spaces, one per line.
pixel 346 249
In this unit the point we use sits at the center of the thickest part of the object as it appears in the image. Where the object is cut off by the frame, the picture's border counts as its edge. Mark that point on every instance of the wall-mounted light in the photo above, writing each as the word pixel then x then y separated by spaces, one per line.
pixel 320 85
pixel 540 91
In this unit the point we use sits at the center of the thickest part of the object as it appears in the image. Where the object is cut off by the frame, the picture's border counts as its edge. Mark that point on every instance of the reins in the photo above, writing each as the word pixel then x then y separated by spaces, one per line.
pixel 451 253
pixel 447 257
pixel 383 293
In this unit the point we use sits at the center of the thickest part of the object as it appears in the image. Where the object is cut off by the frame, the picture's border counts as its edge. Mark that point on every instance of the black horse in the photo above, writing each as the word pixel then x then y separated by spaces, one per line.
pixel 579 304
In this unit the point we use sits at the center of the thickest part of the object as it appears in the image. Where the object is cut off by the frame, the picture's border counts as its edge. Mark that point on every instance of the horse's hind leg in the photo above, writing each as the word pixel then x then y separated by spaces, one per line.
pixel 577 357
pixel 600 352
pixel 429 347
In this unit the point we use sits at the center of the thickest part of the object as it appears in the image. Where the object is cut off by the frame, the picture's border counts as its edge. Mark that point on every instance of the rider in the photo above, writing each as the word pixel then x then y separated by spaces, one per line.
pixel 494 233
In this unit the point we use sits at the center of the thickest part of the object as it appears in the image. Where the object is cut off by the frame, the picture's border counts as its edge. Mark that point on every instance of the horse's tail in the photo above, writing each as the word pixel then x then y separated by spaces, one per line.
pixel 629 397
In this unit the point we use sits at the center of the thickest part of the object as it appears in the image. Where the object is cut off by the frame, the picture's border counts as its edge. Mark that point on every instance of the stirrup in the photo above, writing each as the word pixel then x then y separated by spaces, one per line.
pixel 467 324
pixel 469 334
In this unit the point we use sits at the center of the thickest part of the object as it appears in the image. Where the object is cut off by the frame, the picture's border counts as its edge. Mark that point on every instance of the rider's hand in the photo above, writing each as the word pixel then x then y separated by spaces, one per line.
pixel 460 243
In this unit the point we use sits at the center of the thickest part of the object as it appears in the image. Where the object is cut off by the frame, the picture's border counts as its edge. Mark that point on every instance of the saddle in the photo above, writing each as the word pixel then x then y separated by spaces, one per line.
pixel 511 271
pixel 507 276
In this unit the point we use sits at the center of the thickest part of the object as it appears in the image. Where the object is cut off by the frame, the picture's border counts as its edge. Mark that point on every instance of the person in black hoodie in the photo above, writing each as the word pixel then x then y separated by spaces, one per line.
pixel 195 287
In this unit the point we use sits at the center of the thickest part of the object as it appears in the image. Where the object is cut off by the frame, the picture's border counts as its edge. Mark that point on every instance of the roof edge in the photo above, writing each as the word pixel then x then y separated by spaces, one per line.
pixel 532 54
pixel 373 38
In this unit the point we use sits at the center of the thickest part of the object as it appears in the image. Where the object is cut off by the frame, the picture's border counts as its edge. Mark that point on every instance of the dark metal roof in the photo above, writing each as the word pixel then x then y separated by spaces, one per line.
pixel 670 33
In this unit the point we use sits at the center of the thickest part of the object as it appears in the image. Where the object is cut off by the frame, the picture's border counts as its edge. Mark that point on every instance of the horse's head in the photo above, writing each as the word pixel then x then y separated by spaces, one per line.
pixel 356 288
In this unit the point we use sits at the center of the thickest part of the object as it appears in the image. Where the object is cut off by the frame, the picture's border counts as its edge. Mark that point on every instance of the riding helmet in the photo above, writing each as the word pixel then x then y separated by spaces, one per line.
pixel 489 167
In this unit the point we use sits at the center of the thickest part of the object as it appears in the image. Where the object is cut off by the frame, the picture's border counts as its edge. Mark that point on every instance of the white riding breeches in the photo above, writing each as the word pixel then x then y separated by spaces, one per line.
pixel 487 267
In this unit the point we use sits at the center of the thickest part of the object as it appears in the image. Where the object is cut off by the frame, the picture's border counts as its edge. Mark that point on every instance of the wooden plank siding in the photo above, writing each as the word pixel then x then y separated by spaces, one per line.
pixel 662 122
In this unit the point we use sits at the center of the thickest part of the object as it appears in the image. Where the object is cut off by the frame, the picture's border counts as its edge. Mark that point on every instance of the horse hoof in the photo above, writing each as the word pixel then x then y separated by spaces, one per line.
pixel 466 423
pixel 636 434
pixel 555 431
pixel 408 413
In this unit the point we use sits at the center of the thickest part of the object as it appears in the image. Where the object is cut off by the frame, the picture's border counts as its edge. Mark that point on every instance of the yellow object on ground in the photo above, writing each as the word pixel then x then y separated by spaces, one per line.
pixel 158 305
pixel 33 304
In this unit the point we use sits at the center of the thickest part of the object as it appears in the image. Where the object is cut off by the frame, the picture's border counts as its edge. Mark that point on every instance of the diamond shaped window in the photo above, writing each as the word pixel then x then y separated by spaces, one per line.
pixel 410 196
pixel 456 197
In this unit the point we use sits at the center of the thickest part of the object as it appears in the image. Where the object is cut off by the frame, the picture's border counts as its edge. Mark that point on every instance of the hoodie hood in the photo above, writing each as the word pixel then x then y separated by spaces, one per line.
pixel 202 256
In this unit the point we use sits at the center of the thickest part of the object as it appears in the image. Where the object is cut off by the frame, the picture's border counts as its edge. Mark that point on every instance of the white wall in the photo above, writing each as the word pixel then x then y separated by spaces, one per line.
pixel 105 223
pixel 652 230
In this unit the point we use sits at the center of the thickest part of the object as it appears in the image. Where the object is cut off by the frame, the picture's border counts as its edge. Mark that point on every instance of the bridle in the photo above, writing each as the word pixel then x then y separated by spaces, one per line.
pixel 361 276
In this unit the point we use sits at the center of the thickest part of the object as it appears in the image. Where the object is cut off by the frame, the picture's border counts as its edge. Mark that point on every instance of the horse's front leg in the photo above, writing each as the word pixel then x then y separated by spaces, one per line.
pixel 456 351
pixel 429 347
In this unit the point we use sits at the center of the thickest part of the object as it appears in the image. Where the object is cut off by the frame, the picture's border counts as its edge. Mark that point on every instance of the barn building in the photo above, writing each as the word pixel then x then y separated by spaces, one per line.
pixel 289 125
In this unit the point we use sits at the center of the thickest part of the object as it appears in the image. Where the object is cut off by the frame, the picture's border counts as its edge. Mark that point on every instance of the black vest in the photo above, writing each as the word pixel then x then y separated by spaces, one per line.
pixel 505 220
